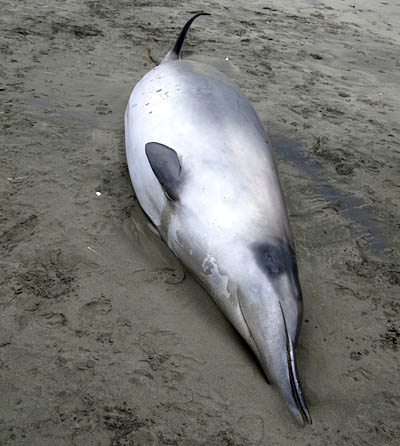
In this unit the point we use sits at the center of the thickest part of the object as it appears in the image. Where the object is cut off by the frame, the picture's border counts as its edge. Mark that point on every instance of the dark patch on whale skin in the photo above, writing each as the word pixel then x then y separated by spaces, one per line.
pixel 276 259
pixel 165 164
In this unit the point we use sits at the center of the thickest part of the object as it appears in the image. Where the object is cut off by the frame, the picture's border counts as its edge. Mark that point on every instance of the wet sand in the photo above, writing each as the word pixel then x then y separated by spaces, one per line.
pixel 104 338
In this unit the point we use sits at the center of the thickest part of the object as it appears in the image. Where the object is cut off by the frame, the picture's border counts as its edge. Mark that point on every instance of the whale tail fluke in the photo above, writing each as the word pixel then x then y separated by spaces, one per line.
pixel 174 53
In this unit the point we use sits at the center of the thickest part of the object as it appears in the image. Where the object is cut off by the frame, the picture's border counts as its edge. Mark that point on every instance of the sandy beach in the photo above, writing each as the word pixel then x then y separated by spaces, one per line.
pixel 105 339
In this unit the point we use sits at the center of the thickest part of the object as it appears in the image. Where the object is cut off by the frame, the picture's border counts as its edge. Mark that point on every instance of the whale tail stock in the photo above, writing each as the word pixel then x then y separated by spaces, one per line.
pixel 174 53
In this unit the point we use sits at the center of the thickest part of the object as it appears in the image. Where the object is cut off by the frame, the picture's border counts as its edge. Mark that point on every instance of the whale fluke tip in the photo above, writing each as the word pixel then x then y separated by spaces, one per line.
pixel 174 53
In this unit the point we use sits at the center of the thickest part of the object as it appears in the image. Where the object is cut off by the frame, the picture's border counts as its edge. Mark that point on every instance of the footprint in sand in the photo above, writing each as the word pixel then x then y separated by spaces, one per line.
pixel 95 309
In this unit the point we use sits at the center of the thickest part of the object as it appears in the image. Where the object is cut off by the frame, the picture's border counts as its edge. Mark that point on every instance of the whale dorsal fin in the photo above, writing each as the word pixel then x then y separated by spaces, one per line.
pixel 165 164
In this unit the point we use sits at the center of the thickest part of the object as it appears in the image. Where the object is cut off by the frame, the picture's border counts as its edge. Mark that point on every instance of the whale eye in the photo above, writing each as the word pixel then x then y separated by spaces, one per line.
pixel 270 260
pixel 272 263
pixel 274 259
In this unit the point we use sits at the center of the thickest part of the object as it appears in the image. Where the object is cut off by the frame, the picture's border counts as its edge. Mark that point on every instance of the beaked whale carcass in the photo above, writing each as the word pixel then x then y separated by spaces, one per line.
pixel 203 172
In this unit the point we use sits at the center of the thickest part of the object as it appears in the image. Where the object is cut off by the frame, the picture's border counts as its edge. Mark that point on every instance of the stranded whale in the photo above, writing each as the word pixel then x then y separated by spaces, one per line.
pixel 202 169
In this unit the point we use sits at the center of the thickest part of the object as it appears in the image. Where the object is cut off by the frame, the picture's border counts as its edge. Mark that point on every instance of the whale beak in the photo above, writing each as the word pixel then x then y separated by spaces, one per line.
pixel 299 408
pixel 274 348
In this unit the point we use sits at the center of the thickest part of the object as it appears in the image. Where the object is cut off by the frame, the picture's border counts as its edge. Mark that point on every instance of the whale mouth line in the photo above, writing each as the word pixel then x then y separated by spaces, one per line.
pixel 252 337
pixel 294 379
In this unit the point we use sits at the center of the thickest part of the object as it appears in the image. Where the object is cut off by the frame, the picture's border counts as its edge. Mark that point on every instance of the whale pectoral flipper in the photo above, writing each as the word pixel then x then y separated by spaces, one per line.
pixel 165 164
